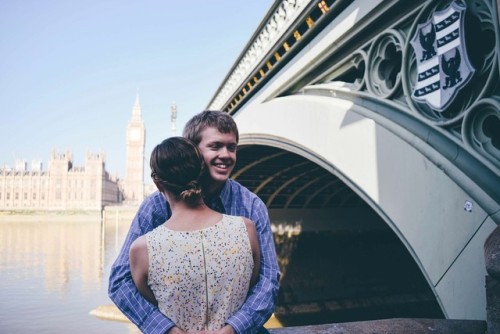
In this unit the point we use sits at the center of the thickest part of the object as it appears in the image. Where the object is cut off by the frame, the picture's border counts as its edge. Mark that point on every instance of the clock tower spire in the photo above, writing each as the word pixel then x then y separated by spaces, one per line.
pixel 133 188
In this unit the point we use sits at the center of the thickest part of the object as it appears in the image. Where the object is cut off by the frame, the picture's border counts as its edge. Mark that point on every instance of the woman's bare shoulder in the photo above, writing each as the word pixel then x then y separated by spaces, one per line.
pixel 248 223
pixel 139 244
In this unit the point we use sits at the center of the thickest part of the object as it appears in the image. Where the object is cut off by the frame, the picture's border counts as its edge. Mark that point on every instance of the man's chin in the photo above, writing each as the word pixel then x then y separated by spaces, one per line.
pixel 219 178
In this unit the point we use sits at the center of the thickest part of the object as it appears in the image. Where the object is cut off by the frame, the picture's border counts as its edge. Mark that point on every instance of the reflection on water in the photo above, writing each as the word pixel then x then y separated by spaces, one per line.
pixel 285 239
pixel 54 273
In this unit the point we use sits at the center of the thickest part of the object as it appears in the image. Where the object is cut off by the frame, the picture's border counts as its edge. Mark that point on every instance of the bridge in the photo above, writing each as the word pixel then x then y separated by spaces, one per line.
pixel 376 167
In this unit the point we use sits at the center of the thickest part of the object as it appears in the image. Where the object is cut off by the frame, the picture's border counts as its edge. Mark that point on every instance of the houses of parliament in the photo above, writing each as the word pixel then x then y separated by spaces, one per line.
pixel 64 186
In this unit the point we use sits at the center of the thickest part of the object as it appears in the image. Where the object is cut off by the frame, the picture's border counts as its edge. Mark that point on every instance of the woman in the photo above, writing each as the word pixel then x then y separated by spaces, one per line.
pixel 199 265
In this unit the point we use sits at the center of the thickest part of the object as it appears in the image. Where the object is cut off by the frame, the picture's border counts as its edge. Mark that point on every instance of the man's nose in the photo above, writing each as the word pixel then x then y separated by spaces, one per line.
pixel 224 152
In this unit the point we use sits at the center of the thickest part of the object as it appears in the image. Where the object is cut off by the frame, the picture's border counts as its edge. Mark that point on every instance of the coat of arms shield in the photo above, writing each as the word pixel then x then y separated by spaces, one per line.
pixel 443 66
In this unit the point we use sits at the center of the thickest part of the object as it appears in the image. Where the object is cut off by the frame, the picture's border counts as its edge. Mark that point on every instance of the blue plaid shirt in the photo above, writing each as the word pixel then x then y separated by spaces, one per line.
pixel 154 211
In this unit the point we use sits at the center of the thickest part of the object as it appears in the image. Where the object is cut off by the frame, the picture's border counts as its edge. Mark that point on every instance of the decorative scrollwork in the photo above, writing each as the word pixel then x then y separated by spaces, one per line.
pixel 384 66
pixel 278 23
pixel 481 128
pixel 351 71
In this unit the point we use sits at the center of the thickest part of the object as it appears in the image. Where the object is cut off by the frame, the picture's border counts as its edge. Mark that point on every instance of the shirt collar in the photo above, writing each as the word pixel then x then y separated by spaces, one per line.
pixel 221 201
pixel 225 193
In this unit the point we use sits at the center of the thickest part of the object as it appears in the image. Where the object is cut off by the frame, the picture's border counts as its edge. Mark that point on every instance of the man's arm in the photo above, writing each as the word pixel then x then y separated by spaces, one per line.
pixel 261 299
pixel 122 290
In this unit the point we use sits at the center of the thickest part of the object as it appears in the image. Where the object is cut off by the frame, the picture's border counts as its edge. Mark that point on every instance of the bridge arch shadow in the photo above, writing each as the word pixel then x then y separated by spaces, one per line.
pixel 340 259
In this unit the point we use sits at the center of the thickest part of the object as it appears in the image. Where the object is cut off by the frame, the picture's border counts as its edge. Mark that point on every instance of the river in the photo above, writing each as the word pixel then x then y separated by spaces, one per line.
pixel 54 273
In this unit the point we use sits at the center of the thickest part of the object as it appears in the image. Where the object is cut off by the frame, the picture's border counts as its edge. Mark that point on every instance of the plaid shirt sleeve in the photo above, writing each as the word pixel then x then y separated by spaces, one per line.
pixel 122 290
pixel 261 299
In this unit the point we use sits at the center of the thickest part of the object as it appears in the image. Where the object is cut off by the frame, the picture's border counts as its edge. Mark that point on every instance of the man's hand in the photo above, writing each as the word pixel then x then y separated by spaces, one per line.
pixel 176 330
pixel 224 330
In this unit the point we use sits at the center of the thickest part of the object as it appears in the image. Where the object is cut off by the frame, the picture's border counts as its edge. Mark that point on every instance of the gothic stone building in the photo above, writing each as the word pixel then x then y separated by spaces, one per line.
pixel 62 187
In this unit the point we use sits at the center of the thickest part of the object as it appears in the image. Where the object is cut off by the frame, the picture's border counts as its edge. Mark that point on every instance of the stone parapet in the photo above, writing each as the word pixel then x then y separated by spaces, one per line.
pixel 492 262
pixel 391 326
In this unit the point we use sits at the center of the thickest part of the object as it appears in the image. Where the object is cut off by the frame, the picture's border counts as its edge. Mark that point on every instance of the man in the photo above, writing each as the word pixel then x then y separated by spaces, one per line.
pixel 216 134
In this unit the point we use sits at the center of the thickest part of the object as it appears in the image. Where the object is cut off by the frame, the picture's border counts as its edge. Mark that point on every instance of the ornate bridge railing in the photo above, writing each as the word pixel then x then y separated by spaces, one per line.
pixel 435 63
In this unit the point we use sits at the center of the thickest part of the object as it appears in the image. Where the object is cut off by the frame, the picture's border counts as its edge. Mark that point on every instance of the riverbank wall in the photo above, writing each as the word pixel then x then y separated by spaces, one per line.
pixel 119 213
pixel 108 213
pixel 54 216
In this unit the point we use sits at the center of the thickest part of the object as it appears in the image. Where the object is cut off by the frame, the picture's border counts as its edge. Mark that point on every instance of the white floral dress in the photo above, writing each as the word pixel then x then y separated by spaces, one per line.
pixel 200 278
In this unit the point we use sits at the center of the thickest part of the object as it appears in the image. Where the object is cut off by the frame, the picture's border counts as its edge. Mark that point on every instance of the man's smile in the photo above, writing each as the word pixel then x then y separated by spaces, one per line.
pixel 221 165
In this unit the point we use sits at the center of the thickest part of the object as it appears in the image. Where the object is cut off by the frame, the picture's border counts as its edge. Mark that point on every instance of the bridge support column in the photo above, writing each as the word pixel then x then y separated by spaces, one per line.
pixel 492 260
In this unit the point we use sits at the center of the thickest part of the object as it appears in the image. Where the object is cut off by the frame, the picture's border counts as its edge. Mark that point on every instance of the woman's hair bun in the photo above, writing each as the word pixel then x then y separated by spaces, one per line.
pixel 192 194
pixel 176 167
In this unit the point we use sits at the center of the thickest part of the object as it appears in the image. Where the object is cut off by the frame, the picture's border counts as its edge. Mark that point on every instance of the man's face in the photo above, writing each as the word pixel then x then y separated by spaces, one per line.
pixel 219 152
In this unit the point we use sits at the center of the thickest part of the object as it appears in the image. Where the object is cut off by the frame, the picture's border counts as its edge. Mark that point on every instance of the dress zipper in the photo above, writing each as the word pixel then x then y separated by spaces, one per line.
pixel 206 281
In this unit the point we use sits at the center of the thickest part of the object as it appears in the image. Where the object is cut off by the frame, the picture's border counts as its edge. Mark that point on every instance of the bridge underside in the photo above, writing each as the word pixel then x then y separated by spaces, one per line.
pixel 361 270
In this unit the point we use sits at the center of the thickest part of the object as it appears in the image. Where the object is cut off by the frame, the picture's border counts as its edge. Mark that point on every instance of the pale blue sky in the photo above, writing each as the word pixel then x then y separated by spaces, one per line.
pixel 70 70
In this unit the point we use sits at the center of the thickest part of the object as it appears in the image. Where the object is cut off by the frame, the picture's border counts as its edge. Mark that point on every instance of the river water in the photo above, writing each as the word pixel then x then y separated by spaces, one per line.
pixel 54 273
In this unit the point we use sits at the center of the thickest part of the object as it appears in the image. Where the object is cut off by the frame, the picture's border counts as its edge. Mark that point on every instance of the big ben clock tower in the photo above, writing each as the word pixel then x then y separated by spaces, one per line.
pixel 133 190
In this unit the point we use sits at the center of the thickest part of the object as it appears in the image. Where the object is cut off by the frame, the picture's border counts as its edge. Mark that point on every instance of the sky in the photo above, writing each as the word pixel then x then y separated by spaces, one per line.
pixel 70 71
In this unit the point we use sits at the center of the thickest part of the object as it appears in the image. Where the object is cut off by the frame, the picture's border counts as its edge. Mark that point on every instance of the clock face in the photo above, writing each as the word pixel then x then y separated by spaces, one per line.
pixel 135 134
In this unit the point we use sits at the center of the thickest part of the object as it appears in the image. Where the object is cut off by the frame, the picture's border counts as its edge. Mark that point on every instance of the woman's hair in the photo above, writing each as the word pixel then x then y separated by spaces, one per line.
pixel 222 121
pixel 176 166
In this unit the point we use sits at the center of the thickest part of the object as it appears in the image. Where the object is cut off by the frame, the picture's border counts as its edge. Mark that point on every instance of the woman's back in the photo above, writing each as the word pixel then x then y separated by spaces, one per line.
pixel 200 278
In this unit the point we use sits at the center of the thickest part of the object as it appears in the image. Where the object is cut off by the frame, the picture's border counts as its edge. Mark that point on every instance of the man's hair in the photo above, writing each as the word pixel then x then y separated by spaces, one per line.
pixel 177 166
pixel 222 121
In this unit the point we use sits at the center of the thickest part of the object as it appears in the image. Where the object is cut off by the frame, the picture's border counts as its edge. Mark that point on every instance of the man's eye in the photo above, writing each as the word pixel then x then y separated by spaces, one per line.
pixel 231 148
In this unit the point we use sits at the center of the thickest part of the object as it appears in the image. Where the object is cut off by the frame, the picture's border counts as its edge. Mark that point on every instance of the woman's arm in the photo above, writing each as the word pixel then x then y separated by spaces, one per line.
pixel 254 243
pixel 139 267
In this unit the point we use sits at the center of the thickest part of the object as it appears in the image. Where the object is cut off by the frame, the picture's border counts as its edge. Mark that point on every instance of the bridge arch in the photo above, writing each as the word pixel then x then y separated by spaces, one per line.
pixel 336 82
pixel 405 179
